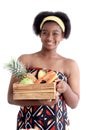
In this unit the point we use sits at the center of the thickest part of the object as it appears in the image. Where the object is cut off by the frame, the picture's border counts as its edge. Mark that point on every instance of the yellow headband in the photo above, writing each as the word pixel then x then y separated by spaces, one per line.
pixel 55 19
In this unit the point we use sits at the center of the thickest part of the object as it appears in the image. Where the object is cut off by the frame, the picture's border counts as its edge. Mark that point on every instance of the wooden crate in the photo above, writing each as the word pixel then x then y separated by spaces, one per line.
pixel 34 91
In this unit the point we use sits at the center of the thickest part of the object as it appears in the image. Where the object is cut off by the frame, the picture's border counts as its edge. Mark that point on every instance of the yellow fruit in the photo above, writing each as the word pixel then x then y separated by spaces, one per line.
pixel 41 73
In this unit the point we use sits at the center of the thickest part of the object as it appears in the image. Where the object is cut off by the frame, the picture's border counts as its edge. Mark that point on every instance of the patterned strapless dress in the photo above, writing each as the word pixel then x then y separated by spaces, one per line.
pixel 44 117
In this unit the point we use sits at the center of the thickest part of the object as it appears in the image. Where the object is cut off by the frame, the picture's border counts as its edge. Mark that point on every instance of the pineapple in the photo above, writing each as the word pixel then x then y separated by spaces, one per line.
pixel 16 68
pixel 19 70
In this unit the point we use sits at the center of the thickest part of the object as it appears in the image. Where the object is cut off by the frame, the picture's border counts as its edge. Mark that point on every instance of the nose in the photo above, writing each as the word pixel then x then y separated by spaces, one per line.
pixel 49 37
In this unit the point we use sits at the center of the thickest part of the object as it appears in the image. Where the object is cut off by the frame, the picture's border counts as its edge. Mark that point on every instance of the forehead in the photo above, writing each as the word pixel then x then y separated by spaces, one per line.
pixel 51 25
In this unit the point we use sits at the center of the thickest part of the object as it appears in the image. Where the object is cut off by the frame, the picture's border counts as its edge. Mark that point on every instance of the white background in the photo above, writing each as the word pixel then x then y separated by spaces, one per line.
pixel 17 37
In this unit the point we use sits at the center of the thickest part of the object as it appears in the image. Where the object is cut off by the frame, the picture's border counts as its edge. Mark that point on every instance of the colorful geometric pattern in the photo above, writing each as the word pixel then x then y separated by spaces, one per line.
pixel 44 117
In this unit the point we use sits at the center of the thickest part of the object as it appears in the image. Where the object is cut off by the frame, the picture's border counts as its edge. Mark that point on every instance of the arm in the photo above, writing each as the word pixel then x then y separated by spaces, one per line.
pixel 71 88
pixel 24 60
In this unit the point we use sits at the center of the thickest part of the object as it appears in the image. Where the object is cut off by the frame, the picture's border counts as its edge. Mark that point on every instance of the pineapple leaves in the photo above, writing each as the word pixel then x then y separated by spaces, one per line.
pixel 16 68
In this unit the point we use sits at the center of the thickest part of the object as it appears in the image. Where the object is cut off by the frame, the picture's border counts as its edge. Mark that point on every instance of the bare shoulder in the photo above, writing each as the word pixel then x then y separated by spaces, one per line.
pixel 24 57
pixel 27 59
pixel 70 63
pixel 70 66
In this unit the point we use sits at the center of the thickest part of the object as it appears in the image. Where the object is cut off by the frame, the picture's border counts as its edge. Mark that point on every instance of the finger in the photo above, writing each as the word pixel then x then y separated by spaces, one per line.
pixel 57 80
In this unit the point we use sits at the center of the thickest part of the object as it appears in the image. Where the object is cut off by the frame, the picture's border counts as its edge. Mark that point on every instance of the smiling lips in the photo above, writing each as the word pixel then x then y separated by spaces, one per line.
pixel 50 43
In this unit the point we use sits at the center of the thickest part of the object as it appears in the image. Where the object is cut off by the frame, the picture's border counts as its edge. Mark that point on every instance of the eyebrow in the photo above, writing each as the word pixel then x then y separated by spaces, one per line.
pixel 47 30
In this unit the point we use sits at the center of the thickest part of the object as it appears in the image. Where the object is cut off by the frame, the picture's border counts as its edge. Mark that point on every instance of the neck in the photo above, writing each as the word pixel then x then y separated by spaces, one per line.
pixel 48 53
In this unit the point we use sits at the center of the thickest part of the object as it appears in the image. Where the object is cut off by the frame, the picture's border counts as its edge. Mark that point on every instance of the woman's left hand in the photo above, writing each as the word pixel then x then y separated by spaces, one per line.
pixel 61 86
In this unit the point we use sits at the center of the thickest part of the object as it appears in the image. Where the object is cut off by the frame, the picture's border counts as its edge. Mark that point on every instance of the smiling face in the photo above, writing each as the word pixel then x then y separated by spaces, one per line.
pixel 51 35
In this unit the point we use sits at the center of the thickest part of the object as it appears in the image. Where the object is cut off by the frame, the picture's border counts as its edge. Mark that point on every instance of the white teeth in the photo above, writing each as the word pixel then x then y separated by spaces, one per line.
pixel 49 43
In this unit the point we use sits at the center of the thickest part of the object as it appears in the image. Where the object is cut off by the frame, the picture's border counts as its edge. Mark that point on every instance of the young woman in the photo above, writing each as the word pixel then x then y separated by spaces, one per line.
pixel 52 28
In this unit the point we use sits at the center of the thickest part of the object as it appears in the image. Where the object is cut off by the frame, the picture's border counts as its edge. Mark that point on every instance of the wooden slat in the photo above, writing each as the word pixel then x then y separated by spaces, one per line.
pixel 34 91
pixel 31 91
pixel 33 86
pixel 34 96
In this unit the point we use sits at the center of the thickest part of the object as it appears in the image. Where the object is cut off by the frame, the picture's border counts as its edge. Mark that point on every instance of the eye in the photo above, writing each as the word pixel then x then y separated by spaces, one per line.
pixel 44 32
pixel 55 33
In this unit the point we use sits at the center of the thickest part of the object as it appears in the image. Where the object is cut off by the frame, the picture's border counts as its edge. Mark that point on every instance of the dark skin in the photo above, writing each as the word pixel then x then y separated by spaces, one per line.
pixel 51 36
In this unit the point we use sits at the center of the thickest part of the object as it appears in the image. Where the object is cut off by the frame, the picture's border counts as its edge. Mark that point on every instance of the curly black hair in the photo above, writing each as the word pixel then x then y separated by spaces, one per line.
pixel 39 18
